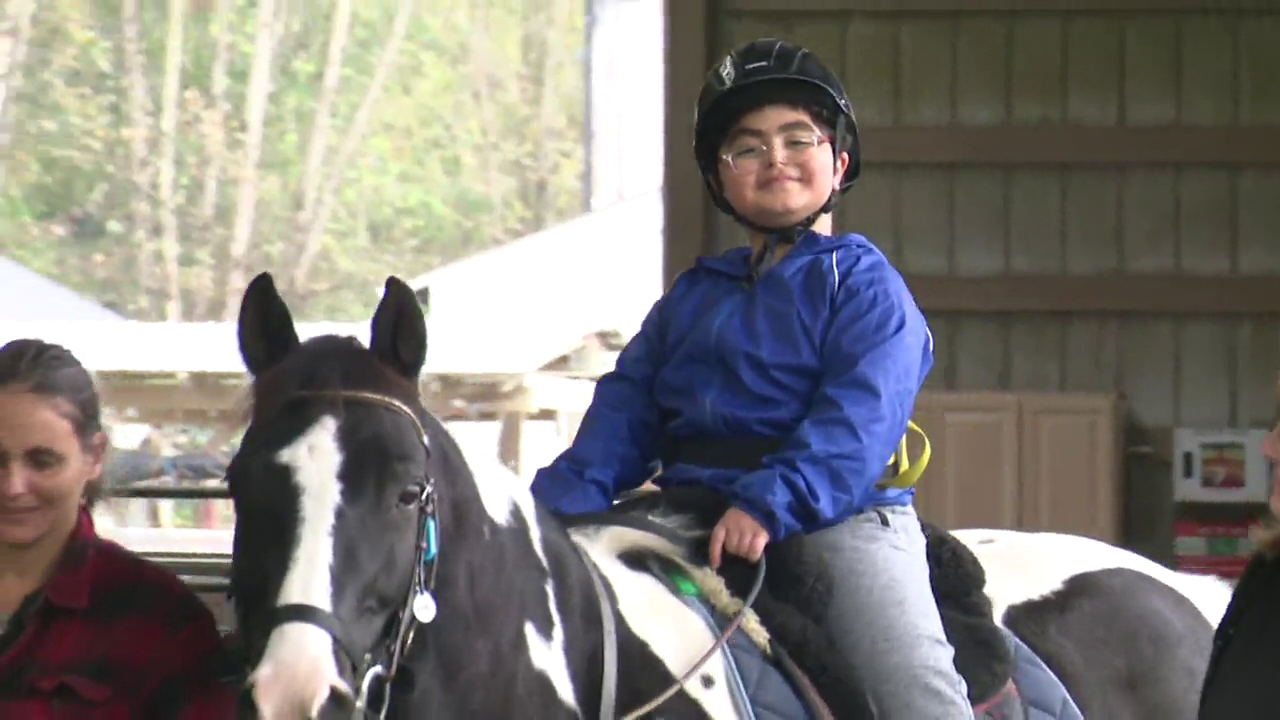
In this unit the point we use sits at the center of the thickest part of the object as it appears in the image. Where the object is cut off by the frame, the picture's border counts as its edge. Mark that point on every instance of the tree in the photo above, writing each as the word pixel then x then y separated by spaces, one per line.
pixel 165 151
pixel 15 37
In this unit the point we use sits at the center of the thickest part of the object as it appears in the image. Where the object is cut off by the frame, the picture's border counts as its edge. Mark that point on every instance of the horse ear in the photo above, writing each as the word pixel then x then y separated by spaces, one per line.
pixel 398 334
pixel 265 328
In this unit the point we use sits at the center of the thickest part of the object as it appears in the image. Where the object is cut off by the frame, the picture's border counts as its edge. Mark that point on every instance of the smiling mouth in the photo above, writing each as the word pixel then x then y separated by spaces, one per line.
pixel 774 182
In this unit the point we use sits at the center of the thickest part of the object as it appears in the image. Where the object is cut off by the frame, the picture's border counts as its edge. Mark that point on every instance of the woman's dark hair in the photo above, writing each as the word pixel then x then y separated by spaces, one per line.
pixel 52 372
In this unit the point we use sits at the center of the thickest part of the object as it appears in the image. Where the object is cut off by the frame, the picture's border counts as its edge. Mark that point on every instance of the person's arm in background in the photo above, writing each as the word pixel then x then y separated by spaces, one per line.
pixel 617 440
pixel 876 354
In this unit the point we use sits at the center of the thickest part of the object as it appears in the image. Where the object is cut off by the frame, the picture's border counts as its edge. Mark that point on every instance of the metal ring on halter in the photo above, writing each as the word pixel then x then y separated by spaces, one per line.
pixel 362 700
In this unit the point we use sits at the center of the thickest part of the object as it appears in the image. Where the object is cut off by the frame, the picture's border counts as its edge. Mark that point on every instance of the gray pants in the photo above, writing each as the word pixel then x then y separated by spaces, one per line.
pixel 883 619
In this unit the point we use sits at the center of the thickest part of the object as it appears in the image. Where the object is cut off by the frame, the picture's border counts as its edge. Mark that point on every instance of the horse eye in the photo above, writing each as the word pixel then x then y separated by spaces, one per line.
pixel 410 495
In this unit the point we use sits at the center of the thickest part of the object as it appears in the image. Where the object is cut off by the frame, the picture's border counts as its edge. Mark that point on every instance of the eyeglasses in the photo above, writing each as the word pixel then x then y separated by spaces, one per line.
pixel 749 156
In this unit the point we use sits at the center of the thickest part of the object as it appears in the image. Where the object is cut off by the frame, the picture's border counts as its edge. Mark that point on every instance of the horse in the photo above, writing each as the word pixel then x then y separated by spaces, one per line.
pixel 1126 637
pixel 374 574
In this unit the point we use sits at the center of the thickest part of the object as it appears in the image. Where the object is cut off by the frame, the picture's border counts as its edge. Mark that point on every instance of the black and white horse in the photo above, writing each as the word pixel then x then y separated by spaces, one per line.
pixel 374 574
pixel 1129 638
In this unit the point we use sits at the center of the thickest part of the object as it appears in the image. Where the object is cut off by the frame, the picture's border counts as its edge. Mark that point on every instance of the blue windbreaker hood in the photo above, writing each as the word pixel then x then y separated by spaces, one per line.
pixel 826 350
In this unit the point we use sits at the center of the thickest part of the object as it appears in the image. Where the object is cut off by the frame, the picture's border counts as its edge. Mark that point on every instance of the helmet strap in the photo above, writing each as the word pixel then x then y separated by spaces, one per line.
pixel 784 235
pixel 841 139
pixel 775 236
pixel 787 234
pixel 759 258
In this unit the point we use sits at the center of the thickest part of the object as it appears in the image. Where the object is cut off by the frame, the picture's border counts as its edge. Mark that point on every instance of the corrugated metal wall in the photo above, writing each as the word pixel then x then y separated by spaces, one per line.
pixel 1130 69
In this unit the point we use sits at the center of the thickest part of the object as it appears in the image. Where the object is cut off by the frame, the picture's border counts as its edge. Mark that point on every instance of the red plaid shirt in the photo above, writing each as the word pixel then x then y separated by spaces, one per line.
pixel 112 637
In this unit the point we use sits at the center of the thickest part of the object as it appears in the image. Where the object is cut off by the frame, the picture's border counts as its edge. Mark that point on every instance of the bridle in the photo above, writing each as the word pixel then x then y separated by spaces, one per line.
pixel 377 672
pixel 419 606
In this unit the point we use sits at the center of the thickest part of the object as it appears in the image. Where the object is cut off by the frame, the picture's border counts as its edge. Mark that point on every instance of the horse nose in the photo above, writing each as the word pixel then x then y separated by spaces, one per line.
pixel 337 706
pixel 266 701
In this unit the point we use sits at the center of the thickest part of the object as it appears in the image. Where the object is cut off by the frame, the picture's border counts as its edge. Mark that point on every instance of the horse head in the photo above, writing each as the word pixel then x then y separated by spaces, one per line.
pixel 335 487
pixel 373 572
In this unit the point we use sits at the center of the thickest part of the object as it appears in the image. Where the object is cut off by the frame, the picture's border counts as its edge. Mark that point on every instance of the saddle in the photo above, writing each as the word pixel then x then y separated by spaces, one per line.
pixel 796 586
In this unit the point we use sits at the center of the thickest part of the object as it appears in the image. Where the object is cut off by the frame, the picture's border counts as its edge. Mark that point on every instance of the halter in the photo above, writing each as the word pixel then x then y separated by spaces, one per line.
pixel 419 606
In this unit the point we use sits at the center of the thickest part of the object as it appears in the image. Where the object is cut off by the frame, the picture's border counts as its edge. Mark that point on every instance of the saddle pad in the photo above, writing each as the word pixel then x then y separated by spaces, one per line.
pixel 761 691
pixel 1045 696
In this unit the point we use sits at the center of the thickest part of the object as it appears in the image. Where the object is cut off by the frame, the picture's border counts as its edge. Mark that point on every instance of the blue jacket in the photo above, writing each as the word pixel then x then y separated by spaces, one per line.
pixel 826 349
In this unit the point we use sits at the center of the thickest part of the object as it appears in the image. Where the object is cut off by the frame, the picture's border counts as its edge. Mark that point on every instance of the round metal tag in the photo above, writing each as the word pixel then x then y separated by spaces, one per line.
pixel 424 608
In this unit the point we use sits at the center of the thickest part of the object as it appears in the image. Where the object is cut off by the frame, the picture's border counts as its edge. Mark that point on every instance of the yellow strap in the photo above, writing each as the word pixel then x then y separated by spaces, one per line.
pixel 909 472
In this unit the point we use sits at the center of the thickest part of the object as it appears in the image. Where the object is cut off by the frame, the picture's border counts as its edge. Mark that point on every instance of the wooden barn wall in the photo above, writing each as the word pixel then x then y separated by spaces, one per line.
pixel 1135 69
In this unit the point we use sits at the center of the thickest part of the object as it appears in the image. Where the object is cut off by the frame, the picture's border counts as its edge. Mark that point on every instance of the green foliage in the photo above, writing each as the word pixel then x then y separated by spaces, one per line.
pixel 476 139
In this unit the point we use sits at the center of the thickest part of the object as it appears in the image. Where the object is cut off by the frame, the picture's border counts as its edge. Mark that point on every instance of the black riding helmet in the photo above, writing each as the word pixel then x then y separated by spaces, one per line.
pixel 771 72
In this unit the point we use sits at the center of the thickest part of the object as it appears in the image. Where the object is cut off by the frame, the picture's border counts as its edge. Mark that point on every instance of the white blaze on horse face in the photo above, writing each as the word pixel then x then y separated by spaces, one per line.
pixel 298 668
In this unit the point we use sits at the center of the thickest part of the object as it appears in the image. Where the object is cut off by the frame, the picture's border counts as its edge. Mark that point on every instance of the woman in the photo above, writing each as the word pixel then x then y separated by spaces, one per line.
pixel 1243 679
pixel 90 630
pixel 783 375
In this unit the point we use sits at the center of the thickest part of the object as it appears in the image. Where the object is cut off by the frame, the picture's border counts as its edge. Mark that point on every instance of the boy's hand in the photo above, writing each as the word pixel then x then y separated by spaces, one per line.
pixel 739 534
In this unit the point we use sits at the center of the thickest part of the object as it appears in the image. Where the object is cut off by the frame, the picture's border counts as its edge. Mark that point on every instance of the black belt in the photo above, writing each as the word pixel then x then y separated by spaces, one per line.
pixel 739 452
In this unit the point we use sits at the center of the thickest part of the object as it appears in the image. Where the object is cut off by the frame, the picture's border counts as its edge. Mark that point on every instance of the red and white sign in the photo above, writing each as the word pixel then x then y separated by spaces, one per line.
pixel 1218 548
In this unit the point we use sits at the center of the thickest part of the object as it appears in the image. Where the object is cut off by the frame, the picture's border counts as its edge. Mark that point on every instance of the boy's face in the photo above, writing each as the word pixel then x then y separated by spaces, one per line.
pixel 777 167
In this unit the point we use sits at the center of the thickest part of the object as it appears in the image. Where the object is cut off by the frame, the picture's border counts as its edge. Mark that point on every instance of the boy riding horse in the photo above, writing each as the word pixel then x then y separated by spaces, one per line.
pixel 783 375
